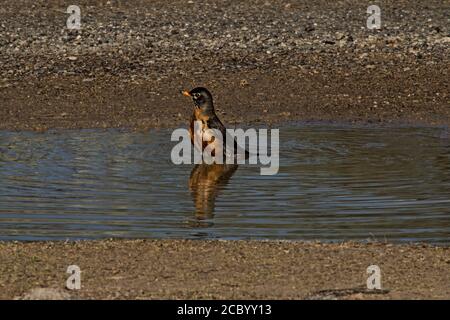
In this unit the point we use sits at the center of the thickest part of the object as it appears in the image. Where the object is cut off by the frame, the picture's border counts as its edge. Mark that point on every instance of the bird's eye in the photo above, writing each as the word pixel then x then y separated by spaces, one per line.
pixel 196 95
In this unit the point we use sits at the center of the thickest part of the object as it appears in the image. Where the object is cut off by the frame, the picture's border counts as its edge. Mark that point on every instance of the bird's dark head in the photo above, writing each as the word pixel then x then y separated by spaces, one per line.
pixel 202 98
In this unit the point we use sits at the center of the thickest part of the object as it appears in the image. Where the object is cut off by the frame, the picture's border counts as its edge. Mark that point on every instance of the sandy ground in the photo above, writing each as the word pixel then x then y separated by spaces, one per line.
pixel 264 61
pixel 182 269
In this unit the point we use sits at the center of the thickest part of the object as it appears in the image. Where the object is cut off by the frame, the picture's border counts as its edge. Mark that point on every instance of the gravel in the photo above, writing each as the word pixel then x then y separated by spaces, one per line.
pixel 154 39
pixel 315 60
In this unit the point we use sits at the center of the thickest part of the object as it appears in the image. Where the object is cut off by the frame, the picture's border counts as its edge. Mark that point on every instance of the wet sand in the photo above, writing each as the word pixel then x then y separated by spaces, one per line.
pixel 182 269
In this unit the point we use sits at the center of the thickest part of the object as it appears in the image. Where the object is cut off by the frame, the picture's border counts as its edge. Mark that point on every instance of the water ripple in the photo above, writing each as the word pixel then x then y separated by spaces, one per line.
pixel 334 184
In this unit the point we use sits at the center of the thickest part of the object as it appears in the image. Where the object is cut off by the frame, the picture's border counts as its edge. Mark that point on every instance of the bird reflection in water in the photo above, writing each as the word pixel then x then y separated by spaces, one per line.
pixel 205 183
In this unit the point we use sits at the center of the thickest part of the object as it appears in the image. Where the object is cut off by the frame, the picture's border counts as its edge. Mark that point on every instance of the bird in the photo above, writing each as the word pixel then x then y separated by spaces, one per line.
pixel 206 180
pixel 205 113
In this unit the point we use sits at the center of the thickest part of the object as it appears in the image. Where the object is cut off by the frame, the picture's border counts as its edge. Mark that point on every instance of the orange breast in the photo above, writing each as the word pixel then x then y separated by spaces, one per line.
pixel 199 133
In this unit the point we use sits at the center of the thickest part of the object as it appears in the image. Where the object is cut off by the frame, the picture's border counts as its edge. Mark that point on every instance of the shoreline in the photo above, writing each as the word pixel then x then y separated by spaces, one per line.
pixel 134 107
pixel 346 124
pixel 222 269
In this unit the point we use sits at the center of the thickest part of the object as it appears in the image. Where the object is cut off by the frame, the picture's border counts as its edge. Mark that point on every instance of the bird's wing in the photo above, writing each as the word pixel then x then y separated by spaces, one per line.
pixel 215 123
pixel 239 151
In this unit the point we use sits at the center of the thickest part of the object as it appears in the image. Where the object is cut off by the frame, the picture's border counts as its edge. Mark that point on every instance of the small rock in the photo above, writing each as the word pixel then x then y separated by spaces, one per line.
pixel 45 294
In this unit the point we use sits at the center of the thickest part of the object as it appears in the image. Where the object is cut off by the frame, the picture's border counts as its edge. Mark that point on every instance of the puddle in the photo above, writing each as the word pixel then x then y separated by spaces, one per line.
pixel 335 184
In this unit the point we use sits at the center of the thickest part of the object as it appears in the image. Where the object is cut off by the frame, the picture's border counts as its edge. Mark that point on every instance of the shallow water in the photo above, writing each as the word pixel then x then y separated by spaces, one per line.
pixel 335 184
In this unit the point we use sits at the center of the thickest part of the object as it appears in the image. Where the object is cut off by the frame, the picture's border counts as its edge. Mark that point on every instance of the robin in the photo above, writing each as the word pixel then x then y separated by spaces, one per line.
pixel 205 113
pixel 206 180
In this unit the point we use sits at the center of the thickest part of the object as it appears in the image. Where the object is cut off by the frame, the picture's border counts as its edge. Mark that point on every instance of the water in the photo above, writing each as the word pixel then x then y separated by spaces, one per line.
pixel 335 184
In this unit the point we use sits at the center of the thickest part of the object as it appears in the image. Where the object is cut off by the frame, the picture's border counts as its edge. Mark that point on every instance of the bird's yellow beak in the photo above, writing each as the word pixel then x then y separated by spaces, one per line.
pixel 186 93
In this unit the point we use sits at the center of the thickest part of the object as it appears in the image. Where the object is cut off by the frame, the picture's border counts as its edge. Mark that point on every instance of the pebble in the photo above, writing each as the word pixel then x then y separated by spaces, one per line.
pixel 176 37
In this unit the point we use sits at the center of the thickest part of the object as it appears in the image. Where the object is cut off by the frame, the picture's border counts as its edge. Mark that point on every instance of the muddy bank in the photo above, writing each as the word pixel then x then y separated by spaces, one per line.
pixel 418 97
pixel 143 269
pixel 264 61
